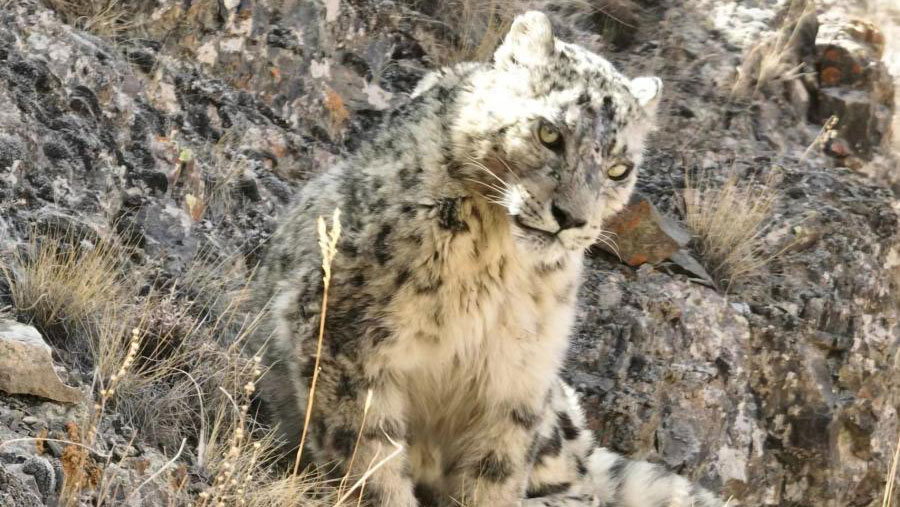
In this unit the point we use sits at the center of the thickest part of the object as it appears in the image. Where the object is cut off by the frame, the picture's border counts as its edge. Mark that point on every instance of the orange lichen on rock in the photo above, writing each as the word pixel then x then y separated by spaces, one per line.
pixel 337 110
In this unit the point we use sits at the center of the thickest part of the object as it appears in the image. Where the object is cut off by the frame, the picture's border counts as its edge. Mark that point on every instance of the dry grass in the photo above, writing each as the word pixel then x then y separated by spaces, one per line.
pixel 209 185
pixel 776 58
pixel 328 244
pixel 728 221
pixel 475 27
pixel 101 17
pixel 171 363
pixel 66 284
pixel 617 21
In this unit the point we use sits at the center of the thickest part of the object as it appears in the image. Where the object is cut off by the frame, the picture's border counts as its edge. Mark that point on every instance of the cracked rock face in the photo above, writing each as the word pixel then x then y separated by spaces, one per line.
pixel 191 138
pixel 854 84
pixel 15 493
pixel 785 392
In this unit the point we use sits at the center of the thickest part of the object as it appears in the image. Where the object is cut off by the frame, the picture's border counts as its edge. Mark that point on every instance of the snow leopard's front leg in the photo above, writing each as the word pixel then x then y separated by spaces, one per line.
pixel 569 471
pixel 339 406
pixel 339 403
pixel 498 463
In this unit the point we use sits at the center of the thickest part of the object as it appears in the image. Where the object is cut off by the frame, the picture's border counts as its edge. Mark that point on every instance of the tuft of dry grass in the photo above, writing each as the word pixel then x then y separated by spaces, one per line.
pixel 728 221
pixel 101 17
pixel 474 27
pixel 65 282
pixel 171 362
pixel 777 58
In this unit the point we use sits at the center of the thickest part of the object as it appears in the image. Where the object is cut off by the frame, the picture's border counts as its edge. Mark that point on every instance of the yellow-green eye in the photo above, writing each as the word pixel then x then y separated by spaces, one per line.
pixel 619 171
pixel 549 136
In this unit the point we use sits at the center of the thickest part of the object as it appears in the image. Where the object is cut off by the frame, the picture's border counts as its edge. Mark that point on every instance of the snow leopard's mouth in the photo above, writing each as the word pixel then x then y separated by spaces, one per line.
pixel 544 234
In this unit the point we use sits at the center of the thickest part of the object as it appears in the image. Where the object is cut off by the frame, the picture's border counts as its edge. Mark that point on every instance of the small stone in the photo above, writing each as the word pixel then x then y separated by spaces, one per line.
pixel 740 307
pixel 144 59
pixel 643 235
pixel 30 420
pixel 837 147
pixel 56 151
pixel 26 366
pixel 248 188
pixel 799 97
pixel 687 262
pixel 43 473
pixel 124 451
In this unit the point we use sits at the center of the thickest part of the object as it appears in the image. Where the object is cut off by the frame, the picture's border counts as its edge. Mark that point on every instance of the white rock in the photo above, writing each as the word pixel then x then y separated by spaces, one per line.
pixel 332 9
pixel 26 366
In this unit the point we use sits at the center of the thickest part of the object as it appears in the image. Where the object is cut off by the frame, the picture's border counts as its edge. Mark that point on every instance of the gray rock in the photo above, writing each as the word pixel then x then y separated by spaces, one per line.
pixel 854 84
pixel 15 493
pixel 26 366
pixel 782 393
pixel 43 473
pixel 788 398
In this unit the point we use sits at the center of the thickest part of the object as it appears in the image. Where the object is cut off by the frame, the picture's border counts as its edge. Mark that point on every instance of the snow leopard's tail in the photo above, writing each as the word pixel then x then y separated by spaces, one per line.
pixel 569 471
pixel 614 481
pixel 622 482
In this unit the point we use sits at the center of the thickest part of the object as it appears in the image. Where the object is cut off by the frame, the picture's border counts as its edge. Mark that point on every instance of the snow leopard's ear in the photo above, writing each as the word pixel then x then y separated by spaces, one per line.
pixel 529 42
pixel 647 91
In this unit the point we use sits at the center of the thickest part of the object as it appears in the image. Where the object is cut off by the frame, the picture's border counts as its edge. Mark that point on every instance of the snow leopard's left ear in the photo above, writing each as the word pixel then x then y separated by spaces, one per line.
pixel 529 41
pixel 647 91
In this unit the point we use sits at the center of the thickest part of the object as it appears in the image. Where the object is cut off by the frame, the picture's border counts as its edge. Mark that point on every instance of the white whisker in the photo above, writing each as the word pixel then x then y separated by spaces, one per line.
pixel 606 233
pixel 508 168
pixel 488 185
pixel 612 246
pixel 478 164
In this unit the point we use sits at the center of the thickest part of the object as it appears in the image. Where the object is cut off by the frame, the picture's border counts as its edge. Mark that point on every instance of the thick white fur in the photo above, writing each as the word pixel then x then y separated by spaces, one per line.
pixel 453 296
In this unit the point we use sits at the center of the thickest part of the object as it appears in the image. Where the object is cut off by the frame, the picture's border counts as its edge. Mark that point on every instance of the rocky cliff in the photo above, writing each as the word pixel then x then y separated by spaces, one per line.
pixel 183 128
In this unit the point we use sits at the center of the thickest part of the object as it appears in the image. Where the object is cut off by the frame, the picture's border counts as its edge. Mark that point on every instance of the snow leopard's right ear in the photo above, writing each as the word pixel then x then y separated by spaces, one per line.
pixel 647 91
pixel 529 42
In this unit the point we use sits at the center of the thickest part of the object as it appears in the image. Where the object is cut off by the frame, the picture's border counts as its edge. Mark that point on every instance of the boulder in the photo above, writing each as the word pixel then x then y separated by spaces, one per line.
pixel 26 365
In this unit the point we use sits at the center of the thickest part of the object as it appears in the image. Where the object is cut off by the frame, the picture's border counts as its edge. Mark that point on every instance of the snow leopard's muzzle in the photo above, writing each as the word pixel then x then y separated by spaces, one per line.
pixel 569 217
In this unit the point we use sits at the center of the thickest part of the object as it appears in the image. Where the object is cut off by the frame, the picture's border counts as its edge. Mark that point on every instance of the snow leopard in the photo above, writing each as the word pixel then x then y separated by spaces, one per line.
pixel 453 291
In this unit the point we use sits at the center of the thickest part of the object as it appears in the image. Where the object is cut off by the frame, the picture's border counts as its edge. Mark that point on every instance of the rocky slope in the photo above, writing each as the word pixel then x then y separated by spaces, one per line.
pixel 189 133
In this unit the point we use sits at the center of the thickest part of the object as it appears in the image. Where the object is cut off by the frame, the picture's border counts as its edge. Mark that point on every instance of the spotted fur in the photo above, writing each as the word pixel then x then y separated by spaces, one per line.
pixel 453 291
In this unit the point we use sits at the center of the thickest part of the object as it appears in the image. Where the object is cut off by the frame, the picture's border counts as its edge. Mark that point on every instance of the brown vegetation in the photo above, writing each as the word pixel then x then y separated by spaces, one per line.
pixel 170 361
pixel 102 17
pixel 729 221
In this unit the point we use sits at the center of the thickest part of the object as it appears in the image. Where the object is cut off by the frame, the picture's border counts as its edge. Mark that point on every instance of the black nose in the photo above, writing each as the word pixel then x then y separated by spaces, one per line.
pixel 564 218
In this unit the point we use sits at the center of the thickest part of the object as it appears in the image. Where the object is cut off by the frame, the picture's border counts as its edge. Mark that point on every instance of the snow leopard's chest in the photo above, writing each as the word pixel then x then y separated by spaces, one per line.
pixel 493 328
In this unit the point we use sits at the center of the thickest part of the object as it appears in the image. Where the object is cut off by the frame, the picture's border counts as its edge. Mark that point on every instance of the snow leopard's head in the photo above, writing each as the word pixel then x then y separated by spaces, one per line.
pixel 554 134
